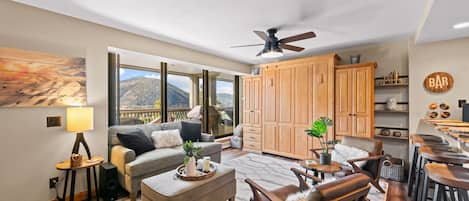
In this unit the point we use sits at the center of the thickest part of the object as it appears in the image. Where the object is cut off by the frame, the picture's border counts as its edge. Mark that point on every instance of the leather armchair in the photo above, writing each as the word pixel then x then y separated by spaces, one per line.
pixel 349 188
pixel 371 169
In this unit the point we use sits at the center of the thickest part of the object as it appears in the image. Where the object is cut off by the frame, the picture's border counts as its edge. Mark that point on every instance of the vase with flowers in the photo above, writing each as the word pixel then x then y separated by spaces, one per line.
pixel 319 130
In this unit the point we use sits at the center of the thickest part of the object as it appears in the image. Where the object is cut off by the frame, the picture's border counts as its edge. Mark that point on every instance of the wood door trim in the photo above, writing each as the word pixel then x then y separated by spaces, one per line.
pixel 367 64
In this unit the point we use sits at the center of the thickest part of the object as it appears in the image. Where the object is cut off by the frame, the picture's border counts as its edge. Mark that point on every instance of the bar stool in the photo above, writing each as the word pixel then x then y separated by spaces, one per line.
pixel 447 176
pixel 429 154
pixel 419 140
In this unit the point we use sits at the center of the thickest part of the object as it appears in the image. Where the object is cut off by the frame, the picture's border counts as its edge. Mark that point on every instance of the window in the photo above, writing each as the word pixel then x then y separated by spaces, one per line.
pixel 179 96
pixel 139 95
pixel 224 104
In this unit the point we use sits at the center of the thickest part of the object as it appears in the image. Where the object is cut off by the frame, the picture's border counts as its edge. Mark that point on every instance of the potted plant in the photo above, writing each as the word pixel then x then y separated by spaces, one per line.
pixel 192 152
pixel 319 130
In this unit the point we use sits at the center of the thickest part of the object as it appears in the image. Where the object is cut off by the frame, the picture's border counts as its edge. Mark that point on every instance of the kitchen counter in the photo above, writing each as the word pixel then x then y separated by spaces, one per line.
pixel 459 140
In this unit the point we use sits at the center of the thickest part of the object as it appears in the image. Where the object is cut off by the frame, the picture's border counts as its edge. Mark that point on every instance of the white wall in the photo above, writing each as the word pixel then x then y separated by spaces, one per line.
pixel 29 149
pixel 447 56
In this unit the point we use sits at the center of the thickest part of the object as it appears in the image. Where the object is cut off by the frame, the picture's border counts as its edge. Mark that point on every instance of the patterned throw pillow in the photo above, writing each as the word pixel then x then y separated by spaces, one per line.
pixel 166 138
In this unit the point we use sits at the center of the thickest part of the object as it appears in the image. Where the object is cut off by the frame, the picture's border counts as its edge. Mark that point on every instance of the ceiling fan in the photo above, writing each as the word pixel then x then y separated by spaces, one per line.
pixel 273 47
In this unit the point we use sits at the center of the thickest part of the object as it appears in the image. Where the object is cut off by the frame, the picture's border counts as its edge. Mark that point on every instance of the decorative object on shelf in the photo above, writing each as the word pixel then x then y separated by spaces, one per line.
pixel 355 59
pixel 75 160
pixel 439 82
pixel 37 79
pixel 393 79
pixel 192 152
pixel 79 120
pixel 397 134
pixel 255 71
pixel 385 132
pixel 445 114
pixel 433 115
pixel 319 130
pixel 391 104
pixel 444 106
pixel 433 106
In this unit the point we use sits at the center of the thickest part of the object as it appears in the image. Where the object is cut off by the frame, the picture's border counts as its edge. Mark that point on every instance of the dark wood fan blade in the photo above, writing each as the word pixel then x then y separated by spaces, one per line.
pixel 236 46
pixel 298 37
pixel 261 34
pixel 291 47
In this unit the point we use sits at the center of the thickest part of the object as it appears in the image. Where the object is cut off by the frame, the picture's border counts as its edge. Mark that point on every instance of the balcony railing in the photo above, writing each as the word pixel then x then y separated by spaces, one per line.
pixel 154 115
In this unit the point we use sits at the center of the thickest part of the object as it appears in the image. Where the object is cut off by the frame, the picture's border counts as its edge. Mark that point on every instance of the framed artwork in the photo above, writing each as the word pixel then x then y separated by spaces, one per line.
pixel 37 79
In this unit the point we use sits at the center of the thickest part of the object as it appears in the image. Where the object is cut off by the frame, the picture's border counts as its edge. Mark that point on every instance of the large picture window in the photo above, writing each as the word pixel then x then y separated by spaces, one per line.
pixel 139 95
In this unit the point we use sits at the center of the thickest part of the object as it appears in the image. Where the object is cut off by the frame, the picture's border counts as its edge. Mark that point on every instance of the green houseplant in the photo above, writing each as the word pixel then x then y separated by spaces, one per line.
pixel 319 130
pixel 192 152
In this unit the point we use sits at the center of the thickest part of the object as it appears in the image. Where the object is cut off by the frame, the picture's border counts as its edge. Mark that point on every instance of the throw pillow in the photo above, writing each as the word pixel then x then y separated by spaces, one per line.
pixel 342 153
pixel 238 131
pixel 136 141
pixel 191 131
pixel 166 138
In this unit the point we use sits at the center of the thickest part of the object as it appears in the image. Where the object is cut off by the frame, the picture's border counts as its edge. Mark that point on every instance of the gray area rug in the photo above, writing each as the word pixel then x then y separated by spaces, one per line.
pixel 271 172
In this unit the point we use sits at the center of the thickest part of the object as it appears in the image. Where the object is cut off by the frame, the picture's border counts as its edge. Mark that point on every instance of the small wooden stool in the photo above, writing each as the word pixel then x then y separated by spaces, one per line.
pixel 455 178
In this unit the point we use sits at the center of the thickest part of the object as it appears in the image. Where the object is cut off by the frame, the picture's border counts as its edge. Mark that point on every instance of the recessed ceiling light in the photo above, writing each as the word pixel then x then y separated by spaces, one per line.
pixel 461 25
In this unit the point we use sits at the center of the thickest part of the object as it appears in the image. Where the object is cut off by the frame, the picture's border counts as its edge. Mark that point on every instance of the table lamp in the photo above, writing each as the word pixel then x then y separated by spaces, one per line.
pixel 79 120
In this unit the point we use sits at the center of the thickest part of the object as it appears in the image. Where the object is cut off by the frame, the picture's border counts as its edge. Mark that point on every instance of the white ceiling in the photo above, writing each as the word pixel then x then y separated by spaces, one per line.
pixel 213 26
pixel 441 15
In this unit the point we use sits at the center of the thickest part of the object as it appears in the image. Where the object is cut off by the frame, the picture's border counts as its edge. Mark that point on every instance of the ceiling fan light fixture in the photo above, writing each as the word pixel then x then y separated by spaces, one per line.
pixel 272 53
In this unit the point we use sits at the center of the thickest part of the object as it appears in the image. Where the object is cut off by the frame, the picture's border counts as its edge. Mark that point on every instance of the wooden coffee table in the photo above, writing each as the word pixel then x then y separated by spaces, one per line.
pixel 317 168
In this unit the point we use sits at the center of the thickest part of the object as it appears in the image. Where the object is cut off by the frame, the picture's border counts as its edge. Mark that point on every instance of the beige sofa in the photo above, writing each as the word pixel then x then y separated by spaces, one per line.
pixel 132 169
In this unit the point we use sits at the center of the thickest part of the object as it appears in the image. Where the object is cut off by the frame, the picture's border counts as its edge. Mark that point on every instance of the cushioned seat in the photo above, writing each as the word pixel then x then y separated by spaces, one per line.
pixel 154 160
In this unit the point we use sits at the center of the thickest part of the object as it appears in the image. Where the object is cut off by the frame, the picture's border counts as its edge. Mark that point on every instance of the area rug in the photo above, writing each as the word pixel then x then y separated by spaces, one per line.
pixel 271 172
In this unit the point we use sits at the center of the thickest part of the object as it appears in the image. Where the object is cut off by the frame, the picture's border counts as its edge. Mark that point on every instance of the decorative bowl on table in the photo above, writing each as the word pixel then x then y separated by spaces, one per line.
pixel 200 175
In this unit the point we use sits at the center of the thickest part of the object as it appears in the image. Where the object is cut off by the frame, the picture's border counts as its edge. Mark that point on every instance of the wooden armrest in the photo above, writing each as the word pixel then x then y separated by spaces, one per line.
pixel 256 189
pixel 303 185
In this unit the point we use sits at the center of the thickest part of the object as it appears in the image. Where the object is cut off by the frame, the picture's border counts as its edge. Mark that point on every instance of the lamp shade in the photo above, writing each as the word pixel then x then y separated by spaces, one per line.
pixel 79 119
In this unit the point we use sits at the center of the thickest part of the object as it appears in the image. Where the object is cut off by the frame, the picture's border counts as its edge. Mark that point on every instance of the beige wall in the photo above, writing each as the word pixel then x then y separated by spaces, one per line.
pixel 447 56
pixel 29 149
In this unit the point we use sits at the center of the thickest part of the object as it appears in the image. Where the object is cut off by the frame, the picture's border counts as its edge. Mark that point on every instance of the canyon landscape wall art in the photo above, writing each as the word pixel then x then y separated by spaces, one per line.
pixel 36 79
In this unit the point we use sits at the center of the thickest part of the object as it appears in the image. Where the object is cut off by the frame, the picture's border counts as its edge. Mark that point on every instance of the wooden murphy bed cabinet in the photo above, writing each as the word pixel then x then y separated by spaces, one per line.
pixel 354 100
pixel 252 116
pixel 294 93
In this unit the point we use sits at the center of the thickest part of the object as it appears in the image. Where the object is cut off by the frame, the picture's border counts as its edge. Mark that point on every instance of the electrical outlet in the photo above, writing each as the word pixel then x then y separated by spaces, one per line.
pixel 53 182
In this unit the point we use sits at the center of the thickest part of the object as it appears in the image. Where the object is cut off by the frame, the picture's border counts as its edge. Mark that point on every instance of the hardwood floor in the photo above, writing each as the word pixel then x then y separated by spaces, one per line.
pixel 396 190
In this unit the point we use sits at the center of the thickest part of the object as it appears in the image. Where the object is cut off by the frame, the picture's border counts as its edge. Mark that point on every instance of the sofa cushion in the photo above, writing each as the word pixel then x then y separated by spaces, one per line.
pixel 191 131
pixel 155 160
pixel 208 148
pixel 171 125
pixel 136 141
pixel 146 128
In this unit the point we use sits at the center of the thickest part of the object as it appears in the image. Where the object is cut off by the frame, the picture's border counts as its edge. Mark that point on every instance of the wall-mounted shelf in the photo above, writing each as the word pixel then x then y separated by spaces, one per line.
pixel 392 111
pixel 400 76
pixel 392 86
pixel 392 137
pixel 387 103
pixel 390 127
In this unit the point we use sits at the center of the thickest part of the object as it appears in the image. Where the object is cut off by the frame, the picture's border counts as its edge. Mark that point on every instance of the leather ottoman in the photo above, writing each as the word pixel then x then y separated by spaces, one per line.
pixel 167 187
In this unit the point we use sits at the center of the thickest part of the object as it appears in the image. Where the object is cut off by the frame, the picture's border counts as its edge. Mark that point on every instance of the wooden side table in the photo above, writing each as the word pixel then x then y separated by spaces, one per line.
pixel 85 164
pixel 317 168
